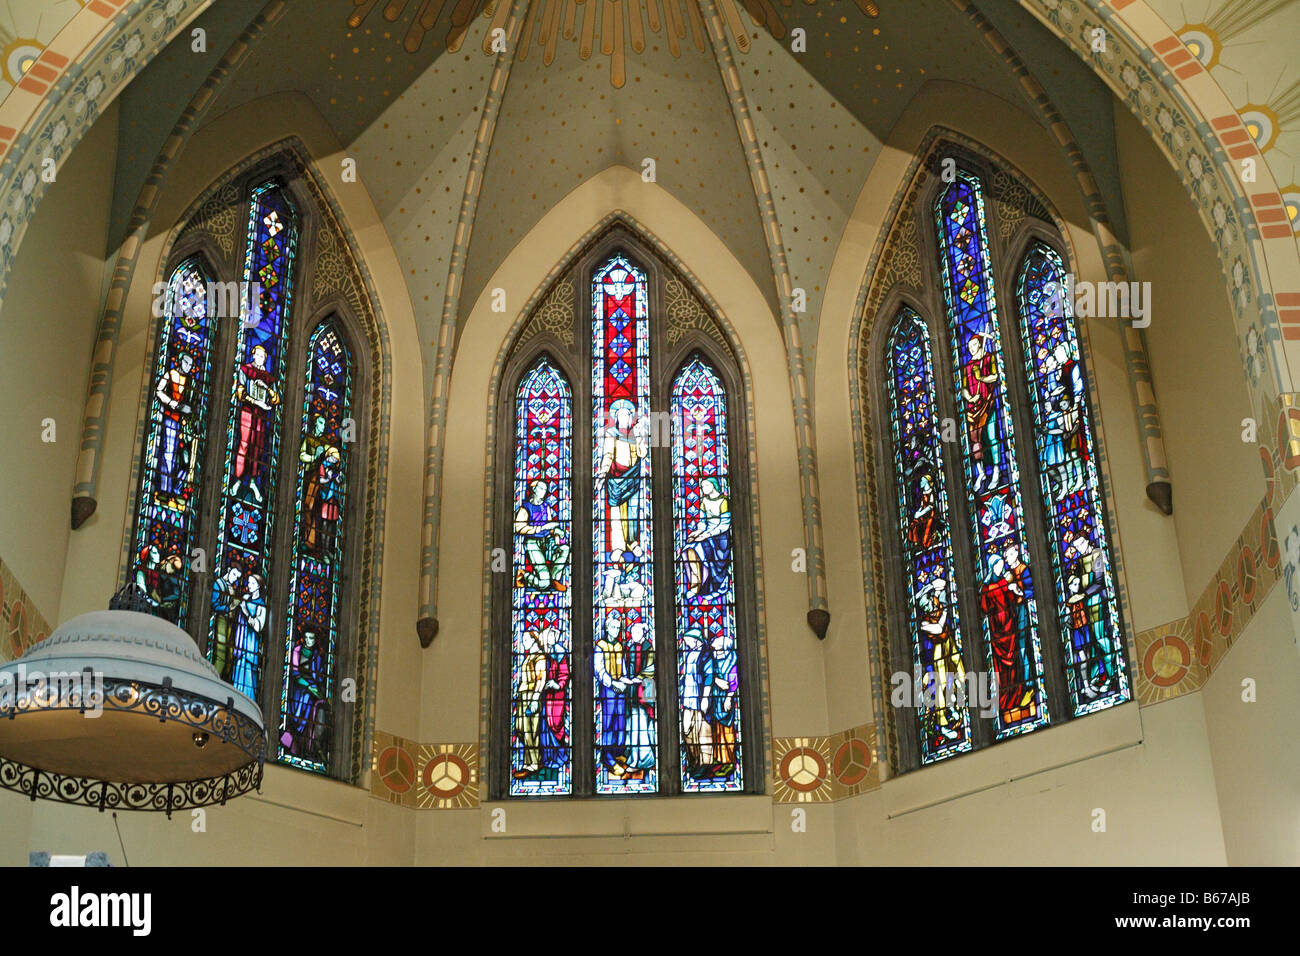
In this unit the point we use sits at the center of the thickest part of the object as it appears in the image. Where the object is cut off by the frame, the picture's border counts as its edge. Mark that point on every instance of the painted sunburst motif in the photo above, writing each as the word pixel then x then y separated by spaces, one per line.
pixel 447 776
pixel 615 27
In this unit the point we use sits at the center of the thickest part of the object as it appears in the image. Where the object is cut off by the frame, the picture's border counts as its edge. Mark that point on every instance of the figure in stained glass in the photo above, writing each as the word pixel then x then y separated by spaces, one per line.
pixel 619 476
pixel 175 388
pixel 1006 584
pixel 541 746
pixel 708 554
pixel 256 395
pixel 697 736
pixel 1070 487
pixel 555 746
pixel 545 546
pixel 305 718
pixel 612 682
pixel 640 652
pixel 249 625
pixel 320 492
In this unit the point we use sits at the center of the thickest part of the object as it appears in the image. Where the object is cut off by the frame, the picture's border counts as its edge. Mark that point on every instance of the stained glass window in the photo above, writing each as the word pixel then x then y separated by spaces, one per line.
pixel 708 663
pixel 541 694
pixel 311 647
pixel 242 562
pixel 655 636
pixel 623 658
pixel 1070 488
pixel 1005 582
pixel 925 541
pixel 177 426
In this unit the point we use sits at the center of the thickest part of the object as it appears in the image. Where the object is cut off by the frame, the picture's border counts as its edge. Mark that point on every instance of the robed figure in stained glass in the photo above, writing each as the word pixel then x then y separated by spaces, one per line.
pixel 708 556
pixel 256 395
pixel 619 475
pixel 697 735
pixel 304 715
pixel 554 728
pixel 174 396
pixel 320 488
pixel 612 681
pixel 721 673
pixel 250 623
pixel 640 652
pixel 528 716
pixel 545 548
pixel 979 381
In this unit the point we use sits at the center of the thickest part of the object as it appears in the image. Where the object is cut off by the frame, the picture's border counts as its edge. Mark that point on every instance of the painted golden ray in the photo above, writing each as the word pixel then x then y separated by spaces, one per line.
pixel 615 26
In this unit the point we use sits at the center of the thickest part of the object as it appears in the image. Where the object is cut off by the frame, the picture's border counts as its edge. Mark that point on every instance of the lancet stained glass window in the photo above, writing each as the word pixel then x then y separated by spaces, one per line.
pixel 623 658
pixel 541 694
pixel 1070 487
pixel 242 565
pixel 930 579
pixel 655 626
pixel 174 444
pixel 205 546
pixel 311 647
pixel 997 551
pixel 1005 581
pixel 708 664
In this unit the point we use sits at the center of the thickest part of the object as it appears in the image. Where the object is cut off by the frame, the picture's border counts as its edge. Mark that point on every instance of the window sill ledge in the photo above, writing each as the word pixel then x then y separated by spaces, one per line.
pixel 1119 728
pixel 675 816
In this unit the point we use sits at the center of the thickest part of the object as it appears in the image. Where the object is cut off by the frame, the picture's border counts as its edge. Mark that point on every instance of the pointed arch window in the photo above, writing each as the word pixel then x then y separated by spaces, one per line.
pixel 1010 578
pixel 541 596
pixel 321 496
pixel 168 502
pixel 237 628
pixel 276 438
pixel 629 611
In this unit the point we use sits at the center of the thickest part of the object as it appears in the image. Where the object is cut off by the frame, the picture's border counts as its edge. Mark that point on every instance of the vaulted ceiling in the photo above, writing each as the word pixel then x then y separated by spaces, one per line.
pixel 409 112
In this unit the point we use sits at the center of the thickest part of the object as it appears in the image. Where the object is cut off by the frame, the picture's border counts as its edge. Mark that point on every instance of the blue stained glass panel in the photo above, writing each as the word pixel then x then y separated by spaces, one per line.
pixel 623 657
pixel 173 461
pixel 1005 580
pixel 1088 612
pixel 930 580
pixel 321 496
pixel 708 662
pixel 541 689
pixel 236 637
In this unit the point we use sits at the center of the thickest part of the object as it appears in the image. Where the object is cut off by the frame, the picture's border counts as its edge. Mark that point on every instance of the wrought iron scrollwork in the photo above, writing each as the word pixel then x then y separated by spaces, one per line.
pixel 163 702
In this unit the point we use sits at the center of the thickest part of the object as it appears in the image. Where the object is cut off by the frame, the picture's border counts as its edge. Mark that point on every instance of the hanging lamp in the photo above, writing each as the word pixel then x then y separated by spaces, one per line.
pixel 118 710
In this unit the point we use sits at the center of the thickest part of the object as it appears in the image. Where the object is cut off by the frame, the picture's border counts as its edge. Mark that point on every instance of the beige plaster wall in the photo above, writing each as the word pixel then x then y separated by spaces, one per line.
pixel 47 328
pixel 1198 375
pixel 1256 766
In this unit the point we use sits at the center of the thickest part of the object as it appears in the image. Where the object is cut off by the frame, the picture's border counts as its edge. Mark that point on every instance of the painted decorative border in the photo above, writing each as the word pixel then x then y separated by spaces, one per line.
pixel 425 776
pixel 1163 86
pixel 91 60
pixel 826 769
pixel 23 624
